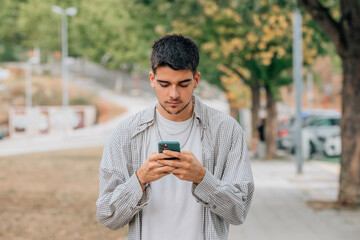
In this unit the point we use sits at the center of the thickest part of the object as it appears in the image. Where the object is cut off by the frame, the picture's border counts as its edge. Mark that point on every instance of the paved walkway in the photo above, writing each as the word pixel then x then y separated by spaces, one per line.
pixel 279 209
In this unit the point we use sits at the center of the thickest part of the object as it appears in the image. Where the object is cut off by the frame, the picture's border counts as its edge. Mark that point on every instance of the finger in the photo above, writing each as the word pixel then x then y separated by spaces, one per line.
pixel 172 153
pixel 164 169
pixel 180 156
pixel 157 164
pixel 152 156
pixel 160 167
pixel 188 156
pixel 172 163
pixel 188 153
pixel 177 171
pixel 156 156
pixel 179 174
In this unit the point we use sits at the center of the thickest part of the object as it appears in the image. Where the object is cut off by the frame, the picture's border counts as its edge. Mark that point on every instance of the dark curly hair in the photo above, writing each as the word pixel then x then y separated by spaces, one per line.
pixel 175 51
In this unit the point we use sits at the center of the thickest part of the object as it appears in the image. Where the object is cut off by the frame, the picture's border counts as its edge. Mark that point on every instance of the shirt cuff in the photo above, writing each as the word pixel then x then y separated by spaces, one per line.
pixel 141 198
pixel 206 188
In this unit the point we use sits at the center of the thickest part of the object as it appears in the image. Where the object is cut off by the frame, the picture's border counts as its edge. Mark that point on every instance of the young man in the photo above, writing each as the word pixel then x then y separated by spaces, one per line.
pixel 195 197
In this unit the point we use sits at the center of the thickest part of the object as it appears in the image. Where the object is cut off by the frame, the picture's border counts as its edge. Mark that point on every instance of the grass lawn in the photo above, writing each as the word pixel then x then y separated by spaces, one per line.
pixel 330 159
pixel 52 195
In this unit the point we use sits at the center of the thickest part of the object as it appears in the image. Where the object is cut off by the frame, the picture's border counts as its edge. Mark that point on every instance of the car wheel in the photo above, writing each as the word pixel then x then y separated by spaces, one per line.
pixel 311 150
pixel 292 150
pixel 331 148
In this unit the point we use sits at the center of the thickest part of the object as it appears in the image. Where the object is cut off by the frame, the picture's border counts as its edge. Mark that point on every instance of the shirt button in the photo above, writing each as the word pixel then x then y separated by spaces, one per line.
pixel 244 198
pixel 131 208
pixel 138 129
pixel 213 207
pixel 197 201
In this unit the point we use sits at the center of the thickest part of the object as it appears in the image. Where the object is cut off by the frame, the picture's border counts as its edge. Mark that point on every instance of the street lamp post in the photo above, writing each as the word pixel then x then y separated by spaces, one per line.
pixel 298 84
pixel 34 59
pixel 64 53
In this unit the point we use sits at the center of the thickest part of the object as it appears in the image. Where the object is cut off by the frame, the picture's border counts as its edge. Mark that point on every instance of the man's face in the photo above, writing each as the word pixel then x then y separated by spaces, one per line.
pixel 174 89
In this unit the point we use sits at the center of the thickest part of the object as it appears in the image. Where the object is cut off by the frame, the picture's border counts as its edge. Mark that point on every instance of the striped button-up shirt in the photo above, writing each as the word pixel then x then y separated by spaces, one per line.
pixel 225 192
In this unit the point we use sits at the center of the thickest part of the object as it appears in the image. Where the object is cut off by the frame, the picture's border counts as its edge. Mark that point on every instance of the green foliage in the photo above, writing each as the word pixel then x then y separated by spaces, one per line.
pixel 9 33
pixel 119 34
pixel 111 33
pixel 36 22
pixel 9 52
pixel 9 12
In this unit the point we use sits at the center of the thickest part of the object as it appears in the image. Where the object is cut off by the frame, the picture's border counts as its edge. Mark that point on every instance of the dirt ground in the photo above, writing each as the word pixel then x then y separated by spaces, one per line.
pixel 52 195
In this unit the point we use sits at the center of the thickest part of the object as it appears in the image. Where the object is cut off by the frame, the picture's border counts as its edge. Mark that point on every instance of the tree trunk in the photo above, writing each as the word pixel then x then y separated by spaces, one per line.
pixel 255 106
pixel 270 124
pixel 349 192
pixel 345 34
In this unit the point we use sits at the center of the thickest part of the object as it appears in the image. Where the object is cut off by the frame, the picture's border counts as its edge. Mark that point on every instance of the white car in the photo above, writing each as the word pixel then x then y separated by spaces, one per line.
pixel 332 146
pixel 320 134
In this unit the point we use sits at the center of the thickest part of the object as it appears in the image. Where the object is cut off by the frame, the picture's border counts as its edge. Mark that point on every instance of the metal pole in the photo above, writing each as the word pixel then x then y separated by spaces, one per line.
pixel 65 99
pixel 297 75
pixel 28 98
pixel 28 86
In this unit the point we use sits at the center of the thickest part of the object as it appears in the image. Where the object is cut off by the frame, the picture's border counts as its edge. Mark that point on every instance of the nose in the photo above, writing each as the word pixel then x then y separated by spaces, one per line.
pixel 174 93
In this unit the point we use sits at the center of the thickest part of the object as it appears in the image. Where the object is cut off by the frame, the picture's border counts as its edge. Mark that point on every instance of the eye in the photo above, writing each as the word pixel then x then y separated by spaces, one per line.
pixel 164 85
pixel 184 85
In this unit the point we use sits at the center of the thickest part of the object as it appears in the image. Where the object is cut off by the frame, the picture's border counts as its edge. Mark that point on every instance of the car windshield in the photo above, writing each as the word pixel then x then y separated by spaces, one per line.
pixel 316 121
pixel 325 122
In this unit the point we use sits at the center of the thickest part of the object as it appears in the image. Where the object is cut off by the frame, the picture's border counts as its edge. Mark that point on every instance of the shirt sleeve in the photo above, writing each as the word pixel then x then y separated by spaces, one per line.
pixel 229 196
pixel 120 194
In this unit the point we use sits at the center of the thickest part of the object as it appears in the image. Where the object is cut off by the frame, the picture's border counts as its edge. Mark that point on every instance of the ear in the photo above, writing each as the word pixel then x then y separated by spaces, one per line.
pixel 197 78
pixel 152 79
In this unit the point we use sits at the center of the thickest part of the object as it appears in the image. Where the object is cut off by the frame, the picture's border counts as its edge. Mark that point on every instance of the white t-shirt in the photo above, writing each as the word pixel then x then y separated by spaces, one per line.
pixel 172 212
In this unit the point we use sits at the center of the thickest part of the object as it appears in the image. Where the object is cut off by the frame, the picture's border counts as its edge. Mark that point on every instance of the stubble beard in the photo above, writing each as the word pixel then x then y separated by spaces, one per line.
pixel 179 111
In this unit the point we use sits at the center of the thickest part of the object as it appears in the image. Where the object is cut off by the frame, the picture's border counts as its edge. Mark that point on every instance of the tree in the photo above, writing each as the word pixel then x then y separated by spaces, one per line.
pixel 246 49
pixel 343 28
pixel 235 38
pixel 111 33
pixel 253 37
pixel 10 36
pixel 37 26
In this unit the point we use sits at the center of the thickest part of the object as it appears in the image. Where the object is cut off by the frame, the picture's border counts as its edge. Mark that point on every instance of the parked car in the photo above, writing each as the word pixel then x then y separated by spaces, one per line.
pixel 332 146
pixel 320 134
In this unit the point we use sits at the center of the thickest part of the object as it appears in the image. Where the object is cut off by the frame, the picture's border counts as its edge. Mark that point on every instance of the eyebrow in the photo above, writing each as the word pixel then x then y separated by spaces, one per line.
pixel 183 81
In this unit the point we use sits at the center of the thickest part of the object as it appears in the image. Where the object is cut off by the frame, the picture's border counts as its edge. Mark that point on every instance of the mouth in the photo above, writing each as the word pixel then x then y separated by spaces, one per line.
pixel 173 103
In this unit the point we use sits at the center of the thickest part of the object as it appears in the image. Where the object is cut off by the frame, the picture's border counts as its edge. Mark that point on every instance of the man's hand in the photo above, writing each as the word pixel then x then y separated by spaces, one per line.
pixel 152 170
pixel 186 168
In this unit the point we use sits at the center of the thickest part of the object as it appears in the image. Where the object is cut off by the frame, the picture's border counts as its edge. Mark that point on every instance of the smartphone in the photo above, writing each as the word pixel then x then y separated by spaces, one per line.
pixel 169 145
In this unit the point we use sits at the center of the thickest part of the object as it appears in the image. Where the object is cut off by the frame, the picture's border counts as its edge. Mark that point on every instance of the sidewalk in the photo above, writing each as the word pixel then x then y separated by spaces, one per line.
pixel 279 208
